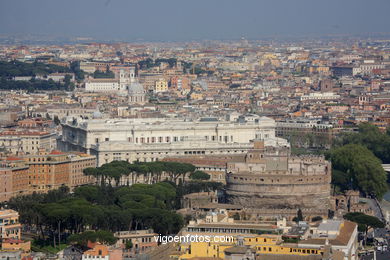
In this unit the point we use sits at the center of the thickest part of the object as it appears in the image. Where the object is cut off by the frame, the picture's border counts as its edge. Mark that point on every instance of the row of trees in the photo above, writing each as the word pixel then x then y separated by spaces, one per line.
pixel 108 74
pixel 149 63
pixel 11 69
pixel 310 140
pixel 34 84
pixel 152 172
pixel 140 206
pixel 59 213
pixel 102 236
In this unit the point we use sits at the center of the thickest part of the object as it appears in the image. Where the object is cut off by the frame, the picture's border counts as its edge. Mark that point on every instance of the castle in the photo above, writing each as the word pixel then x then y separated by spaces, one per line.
pixel 272 182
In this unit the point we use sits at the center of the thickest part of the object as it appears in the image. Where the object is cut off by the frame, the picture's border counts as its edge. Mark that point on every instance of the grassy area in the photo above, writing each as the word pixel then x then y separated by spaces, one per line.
pixel 43 246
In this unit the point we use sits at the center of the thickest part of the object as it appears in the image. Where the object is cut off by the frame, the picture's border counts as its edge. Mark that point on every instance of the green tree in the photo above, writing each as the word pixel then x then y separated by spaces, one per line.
pixel 101 74
pixel 102 236
pixel 371 137
pixel 316 218
pixel 129 245
pixel 361 167
pixel 56 120
pixel 299 215
pixel 365 222
pixel 199 175
pixel 75 68
pixel 56 214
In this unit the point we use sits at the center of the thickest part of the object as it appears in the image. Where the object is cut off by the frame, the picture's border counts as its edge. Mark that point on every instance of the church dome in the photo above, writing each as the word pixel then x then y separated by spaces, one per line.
pixel 136 88
pixel 97 115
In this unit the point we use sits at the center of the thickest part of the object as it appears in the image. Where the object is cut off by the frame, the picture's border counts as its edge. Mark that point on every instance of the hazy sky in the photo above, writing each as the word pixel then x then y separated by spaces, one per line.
pixel 192 20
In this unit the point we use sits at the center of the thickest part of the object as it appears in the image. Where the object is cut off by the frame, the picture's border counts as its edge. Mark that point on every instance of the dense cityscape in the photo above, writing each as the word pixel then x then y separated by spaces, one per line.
pixel 256 149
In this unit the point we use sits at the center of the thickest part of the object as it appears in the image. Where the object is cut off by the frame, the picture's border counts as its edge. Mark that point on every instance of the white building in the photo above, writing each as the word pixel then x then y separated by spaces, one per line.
pixel 152 139
pixel 124 83
pixel 367 68
pixel 102 85
pixel 340 235
pixel 320 96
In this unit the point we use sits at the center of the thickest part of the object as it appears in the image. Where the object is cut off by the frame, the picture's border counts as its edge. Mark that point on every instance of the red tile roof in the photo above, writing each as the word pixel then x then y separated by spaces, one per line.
pixel 13 158
pixel 56 152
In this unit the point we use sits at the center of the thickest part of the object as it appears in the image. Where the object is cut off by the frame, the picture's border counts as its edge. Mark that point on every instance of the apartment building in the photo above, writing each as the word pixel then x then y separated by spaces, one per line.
pixel 27 142
pixel 13 178
pixel 10 228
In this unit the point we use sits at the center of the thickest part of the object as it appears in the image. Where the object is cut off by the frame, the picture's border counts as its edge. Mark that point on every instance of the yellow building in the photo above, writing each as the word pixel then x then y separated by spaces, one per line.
pixel 196 96
pixel 263 244
pixel 161 85
pixel 203 249
pixel 268 240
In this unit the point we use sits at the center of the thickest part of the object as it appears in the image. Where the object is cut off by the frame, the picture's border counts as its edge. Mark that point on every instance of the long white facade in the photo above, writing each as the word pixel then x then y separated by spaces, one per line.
pixel 153 139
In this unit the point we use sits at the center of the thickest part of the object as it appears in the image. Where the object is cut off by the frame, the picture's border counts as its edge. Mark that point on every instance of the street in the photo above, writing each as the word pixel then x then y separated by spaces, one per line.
pixel 379 233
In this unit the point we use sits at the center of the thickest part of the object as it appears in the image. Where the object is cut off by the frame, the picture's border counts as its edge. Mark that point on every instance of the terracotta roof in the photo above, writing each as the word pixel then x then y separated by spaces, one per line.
pixel 20 133
pixel 342 239
pixel 13 158
pixel 11 240
pixel 56 152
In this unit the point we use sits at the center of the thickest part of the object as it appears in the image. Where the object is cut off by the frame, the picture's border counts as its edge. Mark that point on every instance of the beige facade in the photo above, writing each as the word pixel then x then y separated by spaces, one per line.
pixel 9 224
pixel 142 242
pixel 27 142
pixel 161 85
pixel 79 162
pixel 13 178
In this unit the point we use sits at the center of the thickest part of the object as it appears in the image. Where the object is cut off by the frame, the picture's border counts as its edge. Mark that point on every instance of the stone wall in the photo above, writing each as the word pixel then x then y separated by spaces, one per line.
pixel 280 183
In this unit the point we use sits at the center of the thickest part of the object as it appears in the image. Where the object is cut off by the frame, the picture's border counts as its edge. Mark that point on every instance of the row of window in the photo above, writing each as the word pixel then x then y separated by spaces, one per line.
pixel 292 250
pixel 272 180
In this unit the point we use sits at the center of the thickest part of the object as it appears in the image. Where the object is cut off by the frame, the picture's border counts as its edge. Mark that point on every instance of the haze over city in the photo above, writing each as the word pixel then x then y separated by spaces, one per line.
pixel 182 20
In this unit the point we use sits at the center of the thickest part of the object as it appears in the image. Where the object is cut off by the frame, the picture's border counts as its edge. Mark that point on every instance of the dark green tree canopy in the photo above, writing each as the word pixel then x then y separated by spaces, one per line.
pixel 102 236
pixel 364 221
pixel 356 164
pixel 200 175
pixel 371 137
